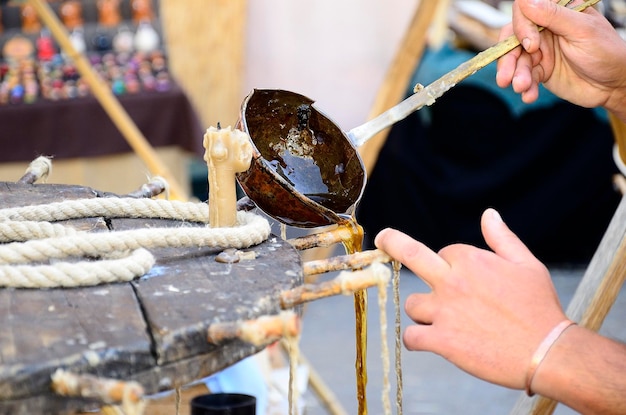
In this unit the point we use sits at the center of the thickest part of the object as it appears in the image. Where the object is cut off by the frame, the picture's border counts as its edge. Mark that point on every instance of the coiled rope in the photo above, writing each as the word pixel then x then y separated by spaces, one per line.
pixel 29 236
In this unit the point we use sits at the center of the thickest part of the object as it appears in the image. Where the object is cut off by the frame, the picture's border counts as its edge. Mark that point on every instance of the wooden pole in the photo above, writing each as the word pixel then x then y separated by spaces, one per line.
pixel 109 102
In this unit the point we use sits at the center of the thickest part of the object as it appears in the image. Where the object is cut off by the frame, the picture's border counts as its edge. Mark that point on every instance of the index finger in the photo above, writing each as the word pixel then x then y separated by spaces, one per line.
pixel 416 256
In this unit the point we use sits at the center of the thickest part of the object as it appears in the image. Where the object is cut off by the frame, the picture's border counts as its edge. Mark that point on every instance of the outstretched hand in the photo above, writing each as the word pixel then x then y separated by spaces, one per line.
pixel 487 311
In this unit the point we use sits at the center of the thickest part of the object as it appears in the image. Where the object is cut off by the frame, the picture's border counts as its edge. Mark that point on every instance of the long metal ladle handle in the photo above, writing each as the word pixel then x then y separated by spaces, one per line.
pixel 428 94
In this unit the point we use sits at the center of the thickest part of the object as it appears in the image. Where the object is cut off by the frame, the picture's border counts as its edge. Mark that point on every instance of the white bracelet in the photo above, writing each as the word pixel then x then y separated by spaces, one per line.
pixel 543 350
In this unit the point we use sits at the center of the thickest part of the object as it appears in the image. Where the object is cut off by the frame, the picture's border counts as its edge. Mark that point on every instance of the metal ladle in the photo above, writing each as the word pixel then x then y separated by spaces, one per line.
pixel 305 170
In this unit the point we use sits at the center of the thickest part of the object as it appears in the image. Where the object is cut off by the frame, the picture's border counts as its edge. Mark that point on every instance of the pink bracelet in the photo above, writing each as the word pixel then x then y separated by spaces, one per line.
pixel 543 350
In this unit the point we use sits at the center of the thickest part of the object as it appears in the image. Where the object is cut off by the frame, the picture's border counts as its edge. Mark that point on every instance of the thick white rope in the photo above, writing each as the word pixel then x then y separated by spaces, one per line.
pixel 33 239
pixel 84 273
pixel 109 207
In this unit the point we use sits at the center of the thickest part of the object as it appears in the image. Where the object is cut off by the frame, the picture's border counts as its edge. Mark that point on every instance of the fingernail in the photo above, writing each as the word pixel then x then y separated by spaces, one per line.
pixel 526 43
pixel 378 237
pixel 495 215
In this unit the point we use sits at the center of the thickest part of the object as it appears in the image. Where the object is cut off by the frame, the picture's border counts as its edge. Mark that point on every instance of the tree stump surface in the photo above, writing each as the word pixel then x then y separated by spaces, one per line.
pixel 152 330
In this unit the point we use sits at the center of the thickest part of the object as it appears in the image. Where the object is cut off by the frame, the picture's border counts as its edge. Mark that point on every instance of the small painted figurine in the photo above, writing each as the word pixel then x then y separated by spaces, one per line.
pixel 109 13
pixel 30 20
pixel 142 11
pixel 72 14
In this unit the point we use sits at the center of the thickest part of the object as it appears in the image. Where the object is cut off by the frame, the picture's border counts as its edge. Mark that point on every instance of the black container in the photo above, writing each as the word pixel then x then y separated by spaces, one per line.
pixel 223 404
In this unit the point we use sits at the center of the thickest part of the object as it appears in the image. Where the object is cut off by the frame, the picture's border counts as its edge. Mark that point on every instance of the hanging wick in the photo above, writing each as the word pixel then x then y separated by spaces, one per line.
pixel 38 169
pixel 261 331
pixel 105 390
pixel 347 282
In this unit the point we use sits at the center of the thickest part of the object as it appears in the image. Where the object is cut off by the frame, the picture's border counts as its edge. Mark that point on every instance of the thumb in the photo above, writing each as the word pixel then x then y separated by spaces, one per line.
pixel 502 240
pixel 546 13
pixel 554 17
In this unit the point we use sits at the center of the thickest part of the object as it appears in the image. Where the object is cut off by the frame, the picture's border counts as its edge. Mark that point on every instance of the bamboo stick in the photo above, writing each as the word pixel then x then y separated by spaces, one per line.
pixel 354 261
pixel 105 96
pixel 346 283
pixel 258 332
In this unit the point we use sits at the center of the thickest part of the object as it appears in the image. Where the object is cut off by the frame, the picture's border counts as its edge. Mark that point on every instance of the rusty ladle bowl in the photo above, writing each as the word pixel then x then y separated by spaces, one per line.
pixel 305 171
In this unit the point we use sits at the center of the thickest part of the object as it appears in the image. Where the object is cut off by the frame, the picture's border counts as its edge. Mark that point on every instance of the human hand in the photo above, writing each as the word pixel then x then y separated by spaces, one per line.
pixel 487 311
pixel 580 57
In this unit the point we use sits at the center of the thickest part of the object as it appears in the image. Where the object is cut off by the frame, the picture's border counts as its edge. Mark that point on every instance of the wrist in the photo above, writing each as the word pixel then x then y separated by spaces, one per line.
pixel 564 371
pixel 584 370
